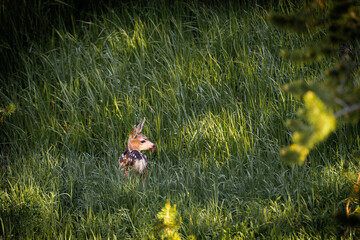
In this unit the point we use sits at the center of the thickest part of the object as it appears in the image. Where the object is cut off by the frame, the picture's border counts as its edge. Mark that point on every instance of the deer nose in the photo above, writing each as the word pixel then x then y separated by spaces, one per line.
pixel 153 147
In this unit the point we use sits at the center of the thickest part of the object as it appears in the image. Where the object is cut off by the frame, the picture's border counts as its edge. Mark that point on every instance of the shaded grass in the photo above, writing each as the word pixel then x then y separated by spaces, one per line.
pixel 209 82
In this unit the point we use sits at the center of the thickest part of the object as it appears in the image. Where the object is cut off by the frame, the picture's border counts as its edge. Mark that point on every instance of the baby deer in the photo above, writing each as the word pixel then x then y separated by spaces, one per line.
pixel 132 159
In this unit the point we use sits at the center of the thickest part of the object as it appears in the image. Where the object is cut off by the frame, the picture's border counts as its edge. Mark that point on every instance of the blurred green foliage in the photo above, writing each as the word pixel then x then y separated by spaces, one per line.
pixel 7 111
pixel 337 94
pixel 168 222
pixel 320 123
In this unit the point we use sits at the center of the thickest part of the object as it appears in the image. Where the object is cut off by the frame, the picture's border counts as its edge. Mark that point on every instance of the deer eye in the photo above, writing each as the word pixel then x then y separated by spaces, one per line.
pixel 142 141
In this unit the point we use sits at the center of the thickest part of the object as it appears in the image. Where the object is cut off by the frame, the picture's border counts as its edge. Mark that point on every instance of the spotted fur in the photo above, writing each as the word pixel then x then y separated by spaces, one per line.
pixel 132 159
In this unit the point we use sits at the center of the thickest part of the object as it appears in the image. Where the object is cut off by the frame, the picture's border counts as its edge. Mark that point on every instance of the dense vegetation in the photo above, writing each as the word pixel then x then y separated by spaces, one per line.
pixel 208 79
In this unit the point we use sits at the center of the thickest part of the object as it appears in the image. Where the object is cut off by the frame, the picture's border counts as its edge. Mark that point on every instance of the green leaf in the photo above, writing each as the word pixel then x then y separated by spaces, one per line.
pixel 297 88
pixel 319 117
pixel 8 110
pixel 320 122
pixel 168 222
pixel 295 154
pixel 315 52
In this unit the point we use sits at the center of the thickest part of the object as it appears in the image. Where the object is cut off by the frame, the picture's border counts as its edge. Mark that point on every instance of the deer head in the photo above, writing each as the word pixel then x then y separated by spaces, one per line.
pixel 138 141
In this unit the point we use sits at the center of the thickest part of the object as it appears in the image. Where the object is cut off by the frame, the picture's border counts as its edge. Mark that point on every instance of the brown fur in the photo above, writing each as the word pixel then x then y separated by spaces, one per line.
pixel 132 159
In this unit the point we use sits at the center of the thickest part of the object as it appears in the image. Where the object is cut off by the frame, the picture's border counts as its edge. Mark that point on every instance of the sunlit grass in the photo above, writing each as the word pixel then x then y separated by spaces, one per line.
pixel 209 82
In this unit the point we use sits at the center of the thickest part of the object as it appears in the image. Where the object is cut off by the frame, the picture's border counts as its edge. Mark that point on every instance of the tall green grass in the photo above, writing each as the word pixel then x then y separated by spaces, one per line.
pixel 208 80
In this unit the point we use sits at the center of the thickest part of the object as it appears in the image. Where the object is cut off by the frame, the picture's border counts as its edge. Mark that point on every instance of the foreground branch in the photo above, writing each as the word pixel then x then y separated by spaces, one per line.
pixel 347 110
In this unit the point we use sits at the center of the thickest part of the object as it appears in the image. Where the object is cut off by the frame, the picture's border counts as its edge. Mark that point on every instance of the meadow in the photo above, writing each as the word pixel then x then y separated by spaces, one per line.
pixel 209 80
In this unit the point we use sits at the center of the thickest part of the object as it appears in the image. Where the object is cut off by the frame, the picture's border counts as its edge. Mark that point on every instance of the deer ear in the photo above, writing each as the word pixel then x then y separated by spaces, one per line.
pixel 134 132
pixel 139 127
